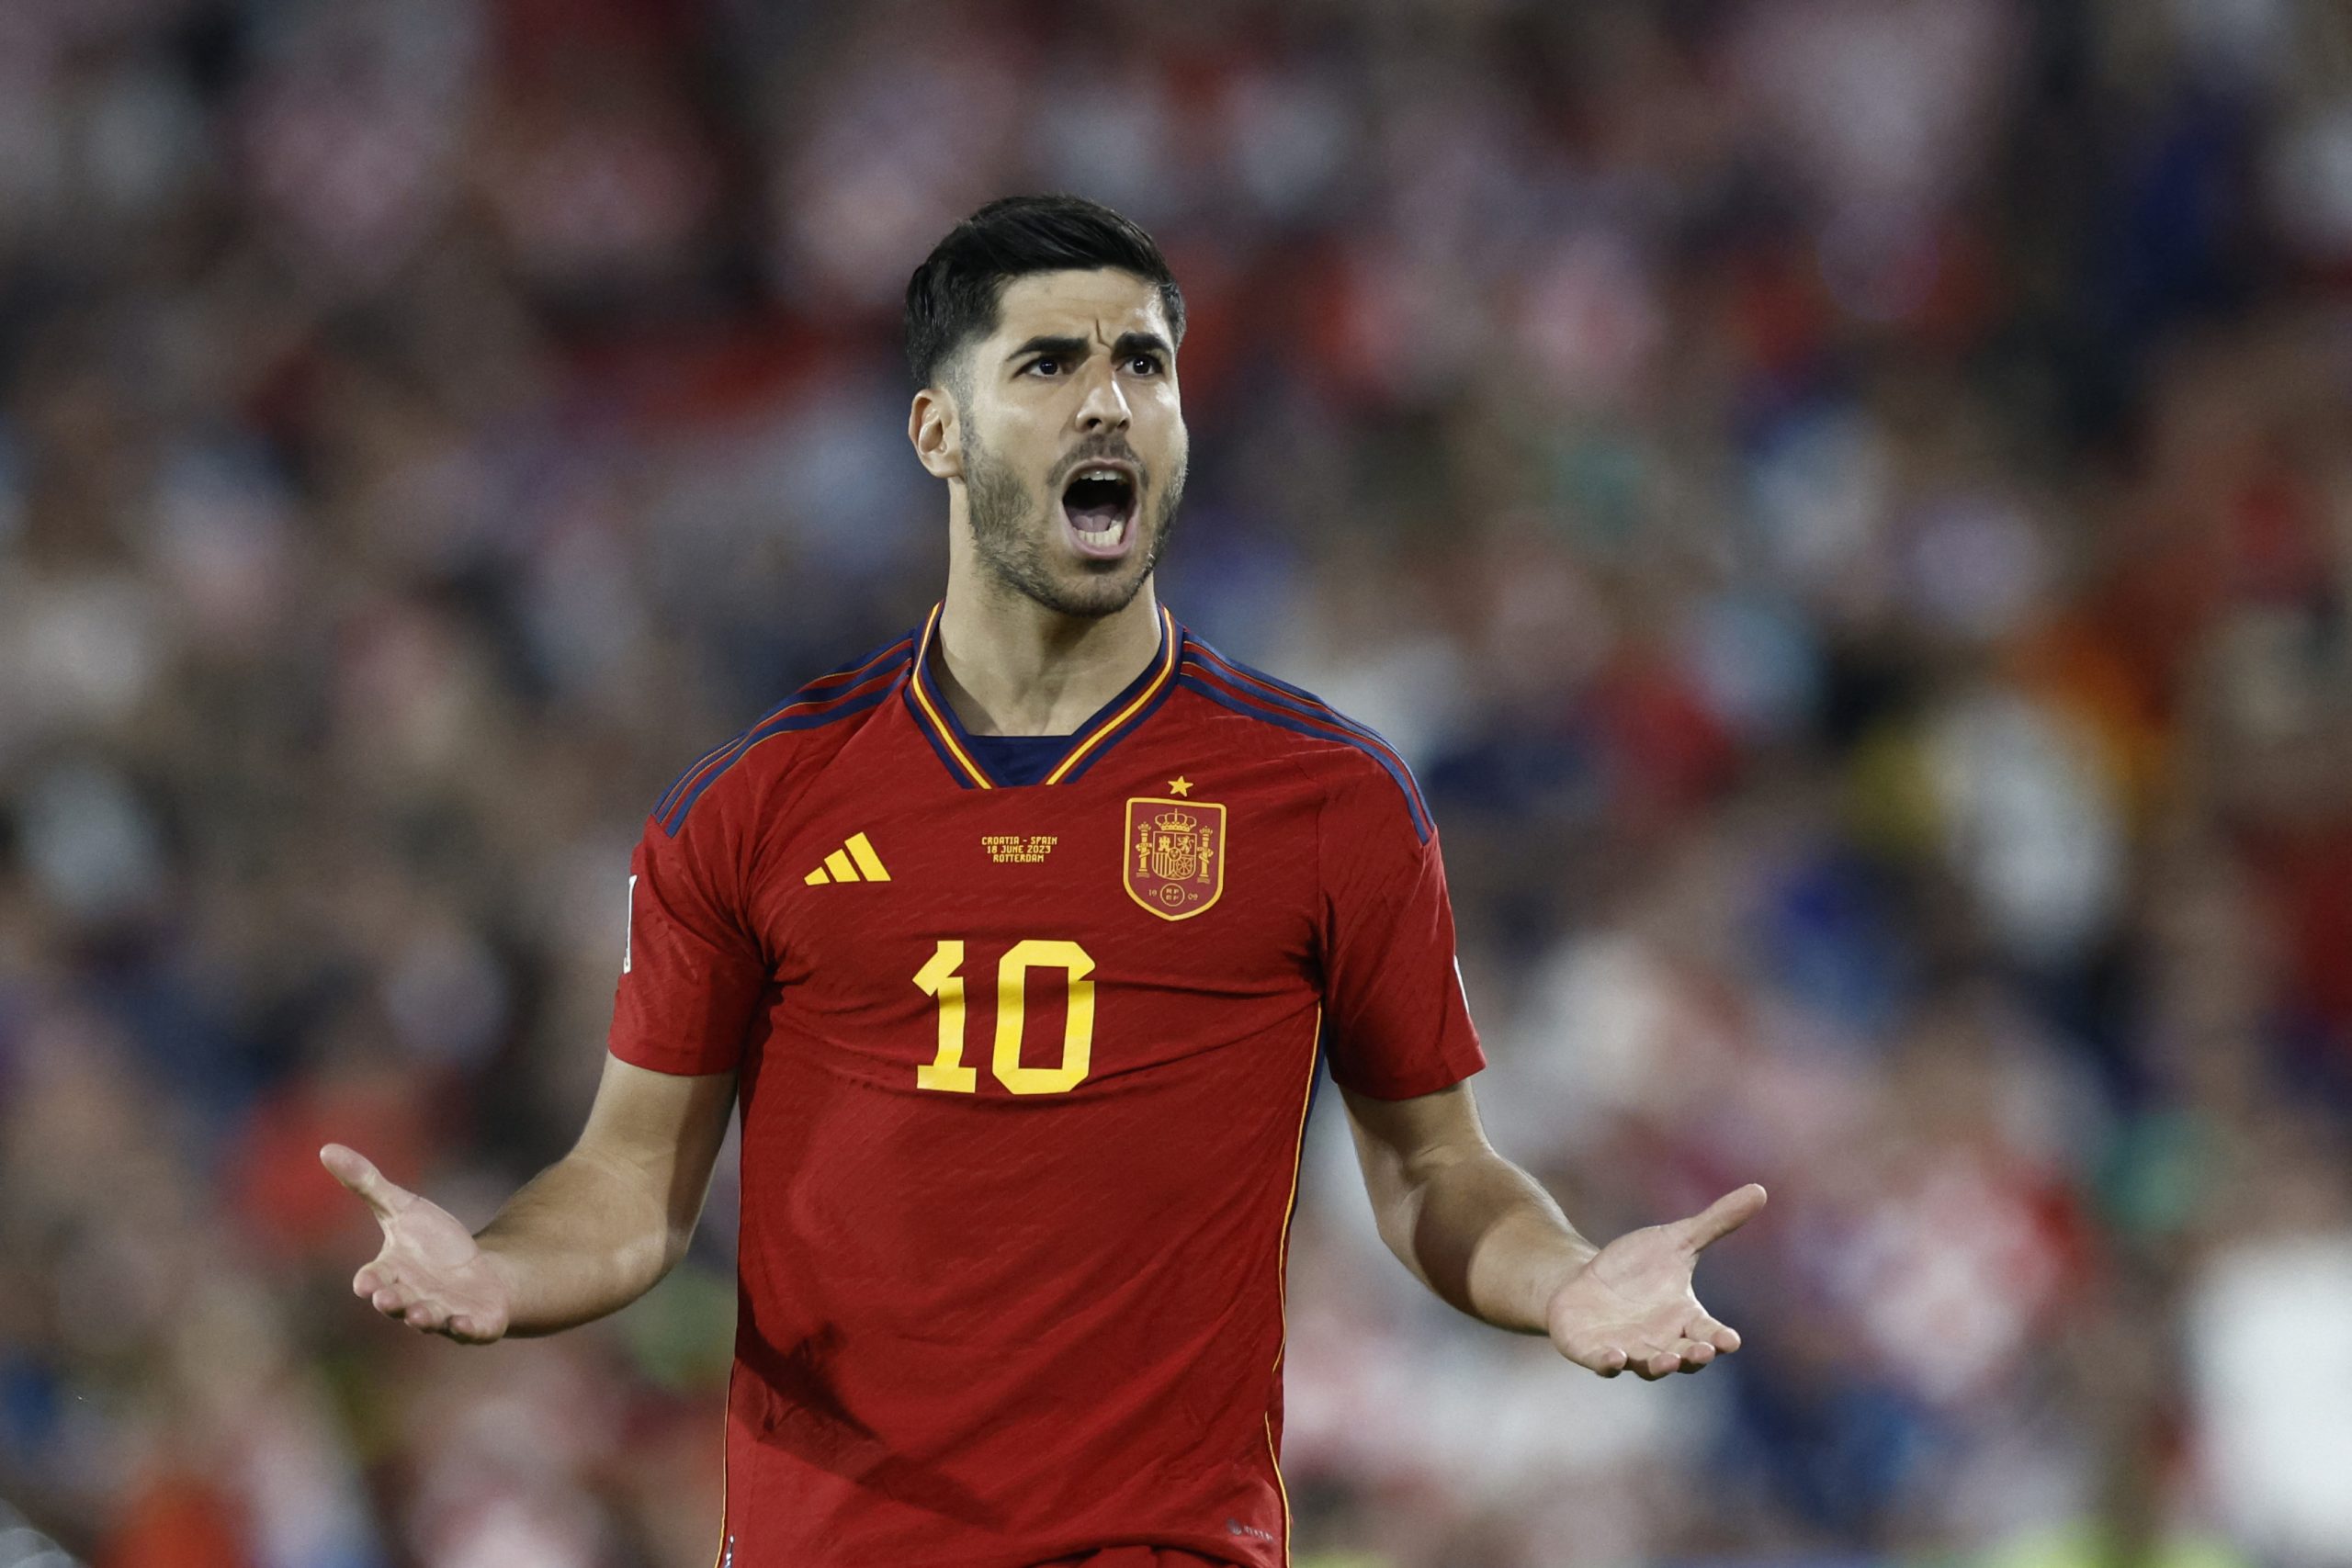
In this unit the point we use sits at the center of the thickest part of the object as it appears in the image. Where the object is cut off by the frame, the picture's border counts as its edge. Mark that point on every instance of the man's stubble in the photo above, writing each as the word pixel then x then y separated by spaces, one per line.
pixel 1013 536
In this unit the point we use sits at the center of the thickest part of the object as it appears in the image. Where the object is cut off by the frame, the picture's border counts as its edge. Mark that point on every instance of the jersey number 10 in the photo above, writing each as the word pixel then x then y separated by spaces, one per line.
pixel 940 978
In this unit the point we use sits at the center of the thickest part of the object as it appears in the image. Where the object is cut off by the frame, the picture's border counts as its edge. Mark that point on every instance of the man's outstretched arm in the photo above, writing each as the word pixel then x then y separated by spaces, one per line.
pixel 586 1237
pixel 1484 1236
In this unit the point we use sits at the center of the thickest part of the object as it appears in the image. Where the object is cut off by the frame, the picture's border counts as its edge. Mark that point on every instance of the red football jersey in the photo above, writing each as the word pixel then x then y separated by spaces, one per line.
pixel 1024 1070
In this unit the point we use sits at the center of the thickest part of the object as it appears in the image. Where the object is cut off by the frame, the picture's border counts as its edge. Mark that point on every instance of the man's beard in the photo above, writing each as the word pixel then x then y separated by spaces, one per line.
pixel 1016 550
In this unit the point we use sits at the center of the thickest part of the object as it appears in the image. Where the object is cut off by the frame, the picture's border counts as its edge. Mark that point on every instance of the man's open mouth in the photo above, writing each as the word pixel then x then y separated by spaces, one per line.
pixel 1099 502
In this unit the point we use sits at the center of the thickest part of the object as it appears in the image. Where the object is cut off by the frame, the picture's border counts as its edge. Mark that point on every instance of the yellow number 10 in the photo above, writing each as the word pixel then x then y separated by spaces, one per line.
pixel 940 978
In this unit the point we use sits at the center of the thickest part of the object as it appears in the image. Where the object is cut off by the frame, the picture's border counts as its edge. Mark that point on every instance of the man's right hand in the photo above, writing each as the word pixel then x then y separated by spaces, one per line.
pixel 431 1275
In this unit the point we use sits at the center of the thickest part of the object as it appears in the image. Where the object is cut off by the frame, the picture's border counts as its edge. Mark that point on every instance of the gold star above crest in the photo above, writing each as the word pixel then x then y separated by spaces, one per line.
pixel 1180 787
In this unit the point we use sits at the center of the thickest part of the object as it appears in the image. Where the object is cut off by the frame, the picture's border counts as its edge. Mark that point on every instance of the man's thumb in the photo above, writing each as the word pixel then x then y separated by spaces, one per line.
pixel 1723 1216
pixel 356 1171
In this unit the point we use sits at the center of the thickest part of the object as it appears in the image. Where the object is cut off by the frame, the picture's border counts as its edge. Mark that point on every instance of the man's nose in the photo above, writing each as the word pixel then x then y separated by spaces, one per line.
pixel 1104 407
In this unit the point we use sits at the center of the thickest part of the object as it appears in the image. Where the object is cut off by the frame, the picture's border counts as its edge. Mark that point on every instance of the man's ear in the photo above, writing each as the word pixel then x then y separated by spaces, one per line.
pixel 938 434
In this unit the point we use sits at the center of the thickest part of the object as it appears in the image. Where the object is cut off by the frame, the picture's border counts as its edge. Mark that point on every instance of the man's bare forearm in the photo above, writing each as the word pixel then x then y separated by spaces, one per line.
pixel 589 1236
pixel 1487 1238
pixel 1484 1235
pixel 586 1237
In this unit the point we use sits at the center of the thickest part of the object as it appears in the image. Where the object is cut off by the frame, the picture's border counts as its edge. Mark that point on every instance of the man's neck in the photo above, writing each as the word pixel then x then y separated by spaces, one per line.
pixel 1008 666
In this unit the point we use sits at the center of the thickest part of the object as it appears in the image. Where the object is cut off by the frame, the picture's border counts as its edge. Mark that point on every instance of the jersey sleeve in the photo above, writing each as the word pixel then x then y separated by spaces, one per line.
pixel 692 972
pixel 1396 1024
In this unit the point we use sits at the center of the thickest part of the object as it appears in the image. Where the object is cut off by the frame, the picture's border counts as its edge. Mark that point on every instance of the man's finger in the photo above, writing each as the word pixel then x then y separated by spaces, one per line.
pixel 1705 1329
pixel 467 1329
pixel 1722 1217
pixel 1694 1354
pixel 1641 1360
pixel 354 1170
pixel 1593 1354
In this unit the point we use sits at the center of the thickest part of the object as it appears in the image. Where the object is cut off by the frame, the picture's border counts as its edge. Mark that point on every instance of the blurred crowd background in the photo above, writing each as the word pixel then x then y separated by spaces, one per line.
pixel 1847 503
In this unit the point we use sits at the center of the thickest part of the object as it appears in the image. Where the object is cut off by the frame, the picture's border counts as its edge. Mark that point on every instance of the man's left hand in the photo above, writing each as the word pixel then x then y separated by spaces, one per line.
pixel 1631 1308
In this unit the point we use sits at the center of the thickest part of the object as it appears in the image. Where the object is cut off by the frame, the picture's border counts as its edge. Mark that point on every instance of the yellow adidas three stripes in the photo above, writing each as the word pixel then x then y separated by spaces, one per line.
pixel 854 861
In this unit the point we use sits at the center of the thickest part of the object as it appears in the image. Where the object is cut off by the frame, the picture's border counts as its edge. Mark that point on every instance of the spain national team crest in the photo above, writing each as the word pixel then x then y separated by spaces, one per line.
pixel 1176 853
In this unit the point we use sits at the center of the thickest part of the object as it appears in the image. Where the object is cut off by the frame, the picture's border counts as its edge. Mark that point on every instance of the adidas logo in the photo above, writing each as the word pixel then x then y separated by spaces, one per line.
pixel 854 861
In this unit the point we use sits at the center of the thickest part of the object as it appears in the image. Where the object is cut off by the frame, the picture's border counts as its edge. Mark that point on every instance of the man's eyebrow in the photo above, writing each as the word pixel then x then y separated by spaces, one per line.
pixel 1142 343
pixel 1057 347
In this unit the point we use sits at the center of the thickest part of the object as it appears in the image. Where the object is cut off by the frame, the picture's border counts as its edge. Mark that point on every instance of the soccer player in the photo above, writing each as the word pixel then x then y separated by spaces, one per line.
pixel 1020 942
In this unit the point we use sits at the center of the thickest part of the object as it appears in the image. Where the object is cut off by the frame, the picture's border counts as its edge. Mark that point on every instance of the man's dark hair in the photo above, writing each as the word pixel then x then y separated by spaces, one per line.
pixel 953 296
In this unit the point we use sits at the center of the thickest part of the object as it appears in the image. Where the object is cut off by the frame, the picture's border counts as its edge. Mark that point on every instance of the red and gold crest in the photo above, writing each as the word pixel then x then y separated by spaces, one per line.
pixel 1175 856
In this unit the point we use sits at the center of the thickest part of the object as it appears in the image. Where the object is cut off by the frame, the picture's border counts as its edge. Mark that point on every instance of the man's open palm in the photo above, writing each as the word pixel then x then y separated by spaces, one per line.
pixel 430 1274
pixel 1632 1307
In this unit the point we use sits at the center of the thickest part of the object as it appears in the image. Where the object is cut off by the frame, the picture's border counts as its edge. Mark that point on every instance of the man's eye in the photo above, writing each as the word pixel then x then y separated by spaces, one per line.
pixel 1144 365
pixel 1045 366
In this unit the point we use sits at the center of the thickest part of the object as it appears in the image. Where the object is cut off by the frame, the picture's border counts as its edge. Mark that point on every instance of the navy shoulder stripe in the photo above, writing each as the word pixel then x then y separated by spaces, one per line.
pixel 1274 688
pixel 802 694
pixel 839 694
pixel 1260 696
